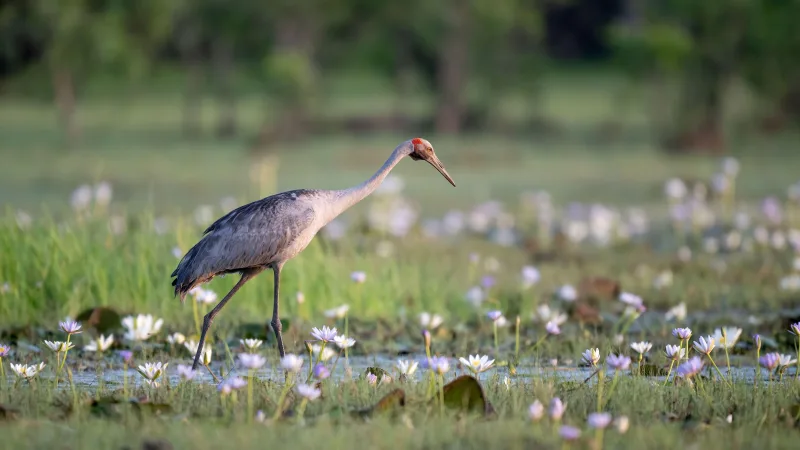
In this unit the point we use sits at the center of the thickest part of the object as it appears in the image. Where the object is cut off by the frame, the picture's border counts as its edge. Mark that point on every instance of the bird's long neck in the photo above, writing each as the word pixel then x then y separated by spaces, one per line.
pixel 344 199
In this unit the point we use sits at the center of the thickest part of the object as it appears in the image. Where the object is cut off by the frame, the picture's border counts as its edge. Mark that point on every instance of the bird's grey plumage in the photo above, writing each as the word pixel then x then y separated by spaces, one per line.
pixel 268 232
pixel 253 235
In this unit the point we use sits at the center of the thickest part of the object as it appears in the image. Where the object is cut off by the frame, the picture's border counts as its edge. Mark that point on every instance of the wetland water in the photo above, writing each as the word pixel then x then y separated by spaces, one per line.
pixel 114 376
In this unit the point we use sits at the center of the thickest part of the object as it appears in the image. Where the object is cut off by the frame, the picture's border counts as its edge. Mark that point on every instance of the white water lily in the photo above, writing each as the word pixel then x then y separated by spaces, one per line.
pixel 100 344
pixel 677 312
pixel 292 363
pixel 406 367
pixel 308 392
pixel 343 341
pixel 152 372
pixel 726 337
pixel 545 314
pixel 642 347
pixel 591 356
pixel 59 346
pixel 430 321
pixel 324 334
pixel 251 361
pixel 176 339
pixel 251 344
pixel 337 313
pixel 786 360
pixel 704 345
pixel 141 327
pixel 25 371
pixel 477 364
pixel 326 354
pixel 205 357
pixel 674 352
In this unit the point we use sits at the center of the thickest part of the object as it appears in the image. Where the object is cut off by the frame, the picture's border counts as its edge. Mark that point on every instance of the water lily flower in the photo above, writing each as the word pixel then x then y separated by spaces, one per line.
pixel 126 355
pixel 632 300
pixel 176 339
pixel 757 341
pixel 598 420
pixel 25 371
pixel 567 293
pixel 152 372
pixel 683 334
pixel 704 345
pixel 321 372
pixel 536 410
pixel 100 344
pixel 552 328
pixel 475 296
pixel 674 352
pixel 770 361
pixel 477 364
pixel 251 361
pixel 299 297
pixel 337 313
pixel 795 329
pixel 70 327
pixel 726 337
pixel 205 296
pixel 569 433
pixel 545 314
pixel 406 367
pixel 231 384
pixel 292 363
pixel 677 312
pixel 439 364
pixel 530 276
pixel 358 277
pixel 59 346
pixel 622 424
pixel 5 349
pixel 372 379
pixel 430 321
pixel 177 252
pixel 494 315
pixel 251 345
pixel 185 372
pixel 641 347
pixel 786 360
pixel 192 345
pixel 618 362
pixel 690 368
pixel 326 354
pixel 324 334
pixel 308 392
pixel 141 327
pixel 557 408
pixel 591 356
pixel 343 341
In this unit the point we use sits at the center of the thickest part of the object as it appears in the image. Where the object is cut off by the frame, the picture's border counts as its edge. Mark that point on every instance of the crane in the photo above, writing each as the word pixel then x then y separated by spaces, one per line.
pixel 268 232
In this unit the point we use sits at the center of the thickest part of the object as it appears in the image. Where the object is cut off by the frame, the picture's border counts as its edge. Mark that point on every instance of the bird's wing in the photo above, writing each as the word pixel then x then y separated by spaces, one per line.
pixel 249 236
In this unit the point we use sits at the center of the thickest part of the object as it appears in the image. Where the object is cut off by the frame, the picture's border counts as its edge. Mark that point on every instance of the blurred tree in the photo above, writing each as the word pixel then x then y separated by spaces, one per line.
pixel 701 43
pixel 82 36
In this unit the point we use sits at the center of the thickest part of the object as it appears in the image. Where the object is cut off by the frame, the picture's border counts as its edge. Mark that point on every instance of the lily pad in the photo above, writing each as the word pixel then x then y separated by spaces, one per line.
pixel 101 318
pixel 466 394
pixel 390 403
pixel 7 413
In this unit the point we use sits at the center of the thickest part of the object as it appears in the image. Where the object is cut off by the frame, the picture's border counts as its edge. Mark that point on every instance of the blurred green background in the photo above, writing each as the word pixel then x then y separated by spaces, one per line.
pixel 180 102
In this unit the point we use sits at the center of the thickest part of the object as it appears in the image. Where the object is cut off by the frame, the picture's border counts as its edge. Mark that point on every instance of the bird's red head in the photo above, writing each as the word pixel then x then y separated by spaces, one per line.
pixel 423 150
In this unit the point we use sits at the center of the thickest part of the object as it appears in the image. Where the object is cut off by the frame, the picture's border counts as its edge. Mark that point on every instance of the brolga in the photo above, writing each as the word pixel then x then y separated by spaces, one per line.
pixel 268 232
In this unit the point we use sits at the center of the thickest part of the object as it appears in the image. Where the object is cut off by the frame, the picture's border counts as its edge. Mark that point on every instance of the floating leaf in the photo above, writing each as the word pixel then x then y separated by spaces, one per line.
pixel 466 394
pixel 101 318
pixel 7 413
pixel 391 402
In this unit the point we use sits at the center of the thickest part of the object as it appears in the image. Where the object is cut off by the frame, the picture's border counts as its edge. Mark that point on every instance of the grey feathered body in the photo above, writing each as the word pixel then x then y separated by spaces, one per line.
pixel 256 235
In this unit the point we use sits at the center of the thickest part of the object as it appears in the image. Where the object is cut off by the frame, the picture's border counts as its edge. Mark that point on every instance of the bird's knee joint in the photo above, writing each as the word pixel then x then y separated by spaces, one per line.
pixel 276 325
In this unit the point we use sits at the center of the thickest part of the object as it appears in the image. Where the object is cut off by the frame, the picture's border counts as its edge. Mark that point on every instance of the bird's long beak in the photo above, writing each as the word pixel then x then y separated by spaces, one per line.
pixel 434 161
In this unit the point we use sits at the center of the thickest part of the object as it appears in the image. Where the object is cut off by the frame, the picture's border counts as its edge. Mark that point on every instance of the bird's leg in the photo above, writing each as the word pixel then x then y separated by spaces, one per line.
pixel 246 275
pixel 276 320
